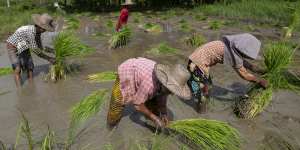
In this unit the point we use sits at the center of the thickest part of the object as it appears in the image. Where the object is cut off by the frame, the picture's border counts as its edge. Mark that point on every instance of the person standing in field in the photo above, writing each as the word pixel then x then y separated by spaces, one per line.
pixel 232 50
pixel 123 18
pixel 146 84
pixel 28 38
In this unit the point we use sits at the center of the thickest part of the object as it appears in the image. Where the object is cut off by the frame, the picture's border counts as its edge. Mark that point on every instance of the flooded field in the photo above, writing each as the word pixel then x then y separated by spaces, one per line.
pixel 46 103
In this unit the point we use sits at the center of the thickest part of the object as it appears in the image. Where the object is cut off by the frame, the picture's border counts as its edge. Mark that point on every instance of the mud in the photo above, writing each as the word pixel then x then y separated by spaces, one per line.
pixel 278 127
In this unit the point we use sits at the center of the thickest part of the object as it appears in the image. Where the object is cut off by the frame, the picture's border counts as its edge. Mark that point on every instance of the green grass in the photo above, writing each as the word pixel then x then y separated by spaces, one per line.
pixel 66 44
pixel 264 11
pixel 163 49
pixel 85 109
pixel 72 23
pixel 121 38
pixel 294 23
pixel 102 77
pixel 25 131
pixel 110 24
pixel 215 25
pixel 200 17
pixel 14 17
pixel 48 141
pixel 195 40
pixel 207 134
pixel 5 71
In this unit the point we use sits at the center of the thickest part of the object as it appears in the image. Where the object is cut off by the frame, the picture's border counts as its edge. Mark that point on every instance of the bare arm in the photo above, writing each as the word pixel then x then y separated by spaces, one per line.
pixel 246 75
pixel 253 68
pixel 143 109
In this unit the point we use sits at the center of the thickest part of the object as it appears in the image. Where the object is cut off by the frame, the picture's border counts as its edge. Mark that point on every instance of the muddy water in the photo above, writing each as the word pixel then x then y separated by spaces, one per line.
pixel 48 103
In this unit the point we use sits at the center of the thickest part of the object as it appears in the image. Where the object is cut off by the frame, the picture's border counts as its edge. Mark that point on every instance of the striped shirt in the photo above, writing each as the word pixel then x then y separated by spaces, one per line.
pixel 208 55
pixel 26 38
pixel 137 80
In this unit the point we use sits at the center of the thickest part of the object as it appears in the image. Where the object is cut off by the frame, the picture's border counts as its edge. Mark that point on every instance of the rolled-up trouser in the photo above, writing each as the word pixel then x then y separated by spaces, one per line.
pixel 23 60
pixel 116 105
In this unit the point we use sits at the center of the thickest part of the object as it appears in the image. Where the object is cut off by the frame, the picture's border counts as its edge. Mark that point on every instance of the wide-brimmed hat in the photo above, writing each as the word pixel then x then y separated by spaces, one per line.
pixel 174 79
pixel 128 2
pixel 44 21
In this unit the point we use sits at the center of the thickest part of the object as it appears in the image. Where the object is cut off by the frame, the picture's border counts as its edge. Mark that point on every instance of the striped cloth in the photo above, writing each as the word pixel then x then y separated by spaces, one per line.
pixel 208 55
pixel 137 80
pixel 116 105
pixel 25 38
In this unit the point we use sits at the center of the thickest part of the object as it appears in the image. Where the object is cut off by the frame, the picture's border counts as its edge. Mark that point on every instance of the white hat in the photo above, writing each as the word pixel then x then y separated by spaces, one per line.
pixel 44 21
pixel 128 2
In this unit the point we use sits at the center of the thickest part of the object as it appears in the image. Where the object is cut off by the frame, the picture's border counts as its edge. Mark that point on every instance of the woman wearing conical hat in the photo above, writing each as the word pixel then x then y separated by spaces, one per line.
pixel 124 15
pixel 25 38
pixel 232 50
pixel 142 80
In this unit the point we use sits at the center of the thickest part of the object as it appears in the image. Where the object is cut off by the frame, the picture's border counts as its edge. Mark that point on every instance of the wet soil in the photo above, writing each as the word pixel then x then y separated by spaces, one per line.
pixel 46 103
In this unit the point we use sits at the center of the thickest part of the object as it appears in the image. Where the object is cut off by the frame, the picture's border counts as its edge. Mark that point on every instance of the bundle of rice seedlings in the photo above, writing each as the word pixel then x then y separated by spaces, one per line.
pixel 200 17
pixel 48 141
pixel 66 44
pixel 195 40
pixel 5 71
pixel 120 38
pixel 278 56
pixel 110 24
pixel 85 109
pixel 295 22
pixel 153 28
pixel 207 134
pixel 102 77
pixel 258 100
pixel 163 49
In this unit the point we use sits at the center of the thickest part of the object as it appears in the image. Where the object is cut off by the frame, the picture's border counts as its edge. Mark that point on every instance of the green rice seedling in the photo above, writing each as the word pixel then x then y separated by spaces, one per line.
pixel 83 110
pixel 207 134
pixel 48 141
pixel 72 23
pixel 120 38
pixel 25 131
pixel 200 17
pixel 163 49
pixel 102 77
pixel 185 27
pixel 258 100
pixel 2 146
pixel 294 23
pixel 153 28
pixel 66 44
pixel 215 25
pixel 5 71
pixel 110 24
pixel 195 40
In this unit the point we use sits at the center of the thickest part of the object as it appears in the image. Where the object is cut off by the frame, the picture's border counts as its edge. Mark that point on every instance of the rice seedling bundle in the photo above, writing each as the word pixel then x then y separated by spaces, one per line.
pixel 163 49
pixel 215 25
pixel 294 23
pixel 153 28
pixel 5 71
pixel 195 40
pixel 120 38
pixel 258 100
pixel 207 134
pixel 85 109
pixel 66 44
pixel 102 77
pixel 278 56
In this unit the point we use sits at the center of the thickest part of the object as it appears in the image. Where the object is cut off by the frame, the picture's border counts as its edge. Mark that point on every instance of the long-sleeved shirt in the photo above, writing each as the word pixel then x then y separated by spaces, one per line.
pixel 138 82
pixel 122 18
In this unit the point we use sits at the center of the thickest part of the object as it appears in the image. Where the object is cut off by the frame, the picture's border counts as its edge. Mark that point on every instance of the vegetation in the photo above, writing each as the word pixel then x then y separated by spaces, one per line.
pixel 66 44
pixel 25 131
pixel 163 49
pixel 207 134
pixel 294 23
pixel 5 71
pixel 72 23
pixel 48 141
pixel 153 28
pixel 215 25
pixel 195 40
pixel 102 77
pixel 120 38
pixel 83 110
pixel 278 56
